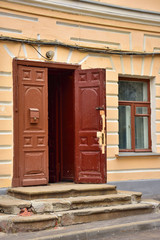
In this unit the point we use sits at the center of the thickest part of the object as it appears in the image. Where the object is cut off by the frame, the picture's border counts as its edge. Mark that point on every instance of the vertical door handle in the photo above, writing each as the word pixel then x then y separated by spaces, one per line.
pixel 101 134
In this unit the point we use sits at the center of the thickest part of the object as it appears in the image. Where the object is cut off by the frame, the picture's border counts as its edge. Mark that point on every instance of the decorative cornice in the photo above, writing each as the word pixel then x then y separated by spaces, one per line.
pixel 96 9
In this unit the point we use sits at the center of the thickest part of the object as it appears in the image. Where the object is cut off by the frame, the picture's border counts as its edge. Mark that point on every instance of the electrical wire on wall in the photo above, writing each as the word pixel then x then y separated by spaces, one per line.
pixel 106 51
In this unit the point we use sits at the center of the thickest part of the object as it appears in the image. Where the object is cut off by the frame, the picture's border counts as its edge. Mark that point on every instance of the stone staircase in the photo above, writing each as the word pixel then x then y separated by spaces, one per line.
pixel 43 207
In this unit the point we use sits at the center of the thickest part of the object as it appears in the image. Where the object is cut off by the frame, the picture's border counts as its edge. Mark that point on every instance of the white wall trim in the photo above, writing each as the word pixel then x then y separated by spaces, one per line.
pixel 96 9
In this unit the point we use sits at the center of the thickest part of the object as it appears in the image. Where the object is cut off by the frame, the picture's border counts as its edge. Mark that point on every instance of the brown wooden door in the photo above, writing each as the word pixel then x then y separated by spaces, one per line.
pixel 33 125
pixel 90 163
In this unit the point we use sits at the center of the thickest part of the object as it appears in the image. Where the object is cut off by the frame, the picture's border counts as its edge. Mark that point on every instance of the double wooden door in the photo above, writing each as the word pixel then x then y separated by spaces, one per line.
pixel 32 131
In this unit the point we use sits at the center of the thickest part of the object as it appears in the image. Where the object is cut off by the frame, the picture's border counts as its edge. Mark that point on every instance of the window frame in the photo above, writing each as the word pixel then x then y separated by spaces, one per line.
pixel 133 105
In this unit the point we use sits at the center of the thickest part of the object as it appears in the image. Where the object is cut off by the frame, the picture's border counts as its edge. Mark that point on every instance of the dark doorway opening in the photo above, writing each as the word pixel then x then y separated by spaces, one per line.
pixel 61 124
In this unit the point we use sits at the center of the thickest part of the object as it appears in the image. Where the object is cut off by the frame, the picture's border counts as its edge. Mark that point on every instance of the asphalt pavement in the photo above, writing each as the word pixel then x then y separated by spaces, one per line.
pixel 151 234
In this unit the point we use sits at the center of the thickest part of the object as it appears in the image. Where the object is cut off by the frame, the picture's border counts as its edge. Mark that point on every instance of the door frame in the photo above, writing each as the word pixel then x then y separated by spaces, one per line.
pixel 16 64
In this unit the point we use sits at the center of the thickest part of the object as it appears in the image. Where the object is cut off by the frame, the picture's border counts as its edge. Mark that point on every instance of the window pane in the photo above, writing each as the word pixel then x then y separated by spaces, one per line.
pixel 141 132
pixel 124 127
pixel 141 110
pixel 133 91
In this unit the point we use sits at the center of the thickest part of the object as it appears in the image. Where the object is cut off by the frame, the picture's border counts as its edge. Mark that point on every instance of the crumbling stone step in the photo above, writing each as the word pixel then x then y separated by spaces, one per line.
pixel 64 204
pixel 10 205
pixel 13 224
pixel 136 196
pixel 103 213
pixel 61 191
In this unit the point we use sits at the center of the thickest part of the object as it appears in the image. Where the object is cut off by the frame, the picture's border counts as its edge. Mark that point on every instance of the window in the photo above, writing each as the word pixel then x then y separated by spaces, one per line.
pixel 134 115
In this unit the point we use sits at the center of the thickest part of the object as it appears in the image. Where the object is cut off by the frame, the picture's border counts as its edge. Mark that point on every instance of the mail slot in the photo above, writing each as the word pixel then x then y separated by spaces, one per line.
pixel 34 115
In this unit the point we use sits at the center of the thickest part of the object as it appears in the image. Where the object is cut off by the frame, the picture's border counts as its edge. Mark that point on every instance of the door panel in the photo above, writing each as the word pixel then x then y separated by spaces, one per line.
pixel 33 126
pixel 90 163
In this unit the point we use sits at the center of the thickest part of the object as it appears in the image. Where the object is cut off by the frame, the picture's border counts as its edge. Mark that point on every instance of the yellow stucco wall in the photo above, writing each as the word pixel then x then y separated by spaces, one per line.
pixel 91 32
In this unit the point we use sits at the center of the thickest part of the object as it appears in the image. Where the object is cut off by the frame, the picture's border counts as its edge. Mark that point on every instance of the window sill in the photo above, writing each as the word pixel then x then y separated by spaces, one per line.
pixel 137 154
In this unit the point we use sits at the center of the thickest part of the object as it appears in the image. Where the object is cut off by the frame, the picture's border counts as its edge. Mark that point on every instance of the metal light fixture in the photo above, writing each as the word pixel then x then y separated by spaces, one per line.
pixel 50 54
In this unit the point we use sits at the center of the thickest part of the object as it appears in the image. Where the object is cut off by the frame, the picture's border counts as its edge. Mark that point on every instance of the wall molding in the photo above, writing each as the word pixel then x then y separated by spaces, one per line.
pixel 96 9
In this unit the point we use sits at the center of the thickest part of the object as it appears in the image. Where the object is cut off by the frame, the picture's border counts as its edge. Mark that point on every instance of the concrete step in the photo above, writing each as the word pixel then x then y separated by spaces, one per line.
pixel 61 191
pixel 72 203
pixel 11 205
pixel 37 222
pixel 103 213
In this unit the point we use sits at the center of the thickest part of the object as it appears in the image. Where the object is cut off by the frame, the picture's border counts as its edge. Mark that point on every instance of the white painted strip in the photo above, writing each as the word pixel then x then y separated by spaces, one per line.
pixel 112 95
pixel 112 63
pixel 112 120
pixel 5 147
pixel 69 55
pixel 55 53
pixel 5 74
pixel 99 56
pixel 157 97
pixel 135 171
pixel 112 83
pixel 132 66
pixel 144 43
pixel 112 146
pixel 8 89
pixel 84 59
pixel 156 49
pixel 151 68
pixel 112 133
pixel 142 69
pixel 5 176
pixel 157 121
pixel 22 17
pixel 122 64
pixel 91 28
pixel 9 30
pixel 111 159
pixel 112 108
pixel 39 48
pixel 94 41
pixel 8 51
pixel 8 103
pixel 5 161
pixel 110 70
pixel 5 118
pixel 24 49
pixel 5 132
pixel 130 41
pixel 67 24
pixel 151 36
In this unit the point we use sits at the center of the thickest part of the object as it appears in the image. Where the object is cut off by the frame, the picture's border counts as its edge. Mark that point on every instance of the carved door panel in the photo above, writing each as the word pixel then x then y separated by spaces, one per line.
pixel 90 160
pixel 33 125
